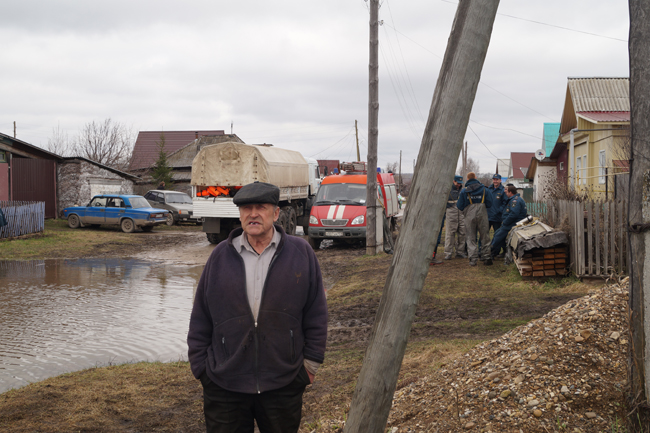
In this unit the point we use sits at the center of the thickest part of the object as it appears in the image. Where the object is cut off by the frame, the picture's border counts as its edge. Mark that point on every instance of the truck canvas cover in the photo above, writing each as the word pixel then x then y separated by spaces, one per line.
pixel 236 164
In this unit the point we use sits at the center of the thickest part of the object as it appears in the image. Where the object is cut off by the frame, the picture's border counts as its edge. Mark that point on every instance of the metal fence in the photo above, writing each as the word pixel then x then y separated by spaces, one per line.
pixel 596 230
pixel 23 217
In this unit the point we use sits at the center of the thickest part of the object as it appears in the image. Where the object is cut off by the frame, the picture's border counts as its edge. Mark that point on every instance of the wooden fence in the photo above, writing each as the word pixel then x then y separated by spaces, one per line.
pixel 596 230
pixel 23 217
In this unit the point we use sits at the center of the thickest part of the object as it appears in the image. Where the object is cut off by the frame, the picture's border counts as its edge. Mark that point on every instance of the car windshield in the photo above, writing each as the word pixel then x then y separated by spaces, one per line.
pixel 138 202
pixel 178 198
pixel 342 193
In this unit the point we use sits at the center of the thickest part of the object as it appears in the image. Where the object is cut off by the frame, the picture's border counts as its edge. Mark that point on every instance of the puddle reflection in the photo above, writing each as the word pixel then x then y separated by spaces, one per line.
pixel 58 316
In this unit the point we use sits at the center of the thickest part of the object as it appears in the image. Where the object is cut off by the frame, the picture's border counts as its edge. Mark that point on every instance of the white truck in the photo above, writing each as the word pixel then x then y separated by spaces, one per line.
pixel 219 170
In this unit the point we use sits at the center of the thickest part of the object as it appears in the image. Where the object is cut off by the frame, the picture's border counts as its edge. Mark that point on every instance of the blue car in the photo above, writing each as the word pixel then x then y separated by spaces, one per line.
pixel 128 211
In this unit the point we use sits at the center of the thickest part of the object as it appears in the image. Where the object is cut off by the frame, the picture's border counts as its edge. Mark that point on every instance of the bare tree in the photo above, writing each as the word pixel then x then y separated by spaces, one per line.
pixel 59 142
pixel 393 167
pixel 472 165
pixel 108 142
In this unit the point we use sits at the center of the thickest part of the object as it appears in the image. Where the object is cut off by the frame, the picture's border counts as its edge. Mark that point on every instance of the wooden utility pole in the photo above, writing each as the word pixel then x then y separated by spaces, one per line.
pixel 14 129
pixel 356 130
pixel 372 246
pixel 400 171
pixel 443 137
pixel 639 213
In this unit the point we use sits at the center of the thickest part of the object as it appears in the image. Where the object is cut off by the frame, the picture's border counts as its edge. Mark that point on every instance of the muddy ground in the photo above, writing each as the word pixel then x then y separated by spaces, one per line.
pixel 460 306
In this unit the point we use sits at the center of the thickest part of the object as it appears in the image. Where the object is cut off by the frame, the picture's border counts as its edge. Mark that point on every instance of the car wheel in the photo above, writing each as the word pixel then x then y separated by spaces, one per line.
pixel 147 228
pixel 73 221
pixel 314 242
pixel 127 225
pixel 170 219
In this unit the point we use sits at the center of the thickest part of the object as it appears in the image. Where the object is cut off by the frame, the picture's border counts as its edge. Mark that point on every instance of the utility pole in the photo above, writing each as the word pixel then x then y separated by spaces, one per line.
pixel 14 129
pixel 400 171
pixel 372 246
pixel 356 131
pixel 443 137
pixel 639 214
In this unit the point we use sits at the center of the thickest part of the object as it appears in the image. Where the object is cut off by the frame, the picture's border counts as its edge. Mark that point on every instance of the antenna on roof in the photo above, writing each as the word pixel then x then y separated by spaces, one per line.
pixel 231 123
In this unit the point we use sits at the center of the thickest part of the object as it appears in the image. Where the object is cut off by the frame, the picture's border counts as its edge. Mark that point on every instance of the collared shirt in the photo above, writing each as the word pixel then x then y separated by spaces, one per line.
pixel 256 266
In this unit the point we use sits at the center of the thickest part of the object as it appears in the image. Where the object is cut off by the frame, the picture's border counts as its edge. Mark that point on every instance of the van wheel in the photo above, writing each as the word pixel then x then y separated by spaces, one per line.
pixel 314 242
pixel 127 225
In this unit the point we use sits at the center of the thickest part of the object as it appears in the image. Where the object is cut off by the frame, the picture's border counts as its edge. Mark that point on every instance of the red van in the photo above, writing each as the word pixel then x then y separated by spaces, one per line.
pixel 339 209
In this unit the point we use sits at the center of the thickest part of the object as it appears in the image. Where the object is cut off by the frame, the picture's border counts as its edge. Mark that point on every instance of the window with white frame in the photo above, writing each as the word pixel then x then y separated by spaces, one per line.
pixel 602 162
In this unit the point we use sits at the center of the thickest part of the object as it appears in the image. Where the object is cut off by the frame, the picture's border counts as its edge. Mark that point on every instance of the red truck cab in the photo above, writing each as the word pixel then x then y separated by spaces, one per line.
pixel 339 209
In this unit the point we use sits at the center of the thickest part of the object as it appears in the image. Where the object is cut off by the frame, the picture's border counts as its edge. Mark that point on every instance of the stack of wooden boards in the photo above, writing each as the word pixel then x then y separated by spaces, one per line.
pixel 544 262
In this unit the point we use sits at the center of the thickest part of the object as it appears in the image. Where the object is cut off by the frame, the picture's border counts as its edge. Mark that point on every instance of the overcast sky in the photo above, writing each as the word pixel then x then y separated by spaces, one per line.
pixel 295 73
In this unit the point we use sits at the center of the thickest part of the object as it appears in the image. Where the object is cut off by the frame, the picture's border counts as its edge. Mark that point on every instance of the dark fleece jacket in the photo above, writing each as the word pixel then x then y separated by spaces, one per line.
pixel 239 354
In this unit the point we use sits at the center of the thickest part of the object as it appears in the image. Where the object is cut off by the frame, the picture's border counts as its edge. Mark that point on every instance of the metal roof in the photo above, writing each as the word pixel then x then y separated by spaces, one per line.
pixel 600 94
pixel 184 156
pixel 519 163
pixel 605 116
pixel 146 149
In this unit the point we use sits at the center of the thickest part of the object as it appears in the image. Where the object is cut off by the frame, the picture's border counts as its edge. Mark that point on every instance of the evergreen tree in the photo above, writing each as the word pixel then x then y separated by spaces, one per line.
pixel 162 172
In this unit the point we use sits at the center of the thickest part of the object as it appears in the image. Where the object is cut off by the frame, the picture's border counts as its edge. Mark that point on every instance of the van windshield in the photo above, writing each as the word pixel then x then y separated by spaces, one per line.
pixel 342 193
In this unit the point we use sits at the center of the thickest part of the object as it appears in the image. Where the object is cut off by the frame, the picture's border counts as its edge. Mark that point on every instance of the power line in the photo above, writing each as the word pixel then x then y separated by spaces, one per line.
pixel 552 25
pixel 506 129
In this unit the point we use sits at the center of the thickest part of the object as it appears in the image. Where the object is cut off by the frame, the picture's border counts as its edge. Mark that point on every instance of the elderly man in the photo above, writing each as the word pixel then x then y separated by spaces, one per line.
pixel 474 200
pixel 259 323
pixel 455 228
pixel 514 211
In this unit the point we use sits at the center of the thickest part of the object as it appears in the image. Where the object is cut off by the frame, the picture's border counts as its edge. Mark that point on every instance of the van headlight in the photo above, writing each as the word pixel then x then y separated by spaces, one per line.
pixel 313 220
pixel 358 220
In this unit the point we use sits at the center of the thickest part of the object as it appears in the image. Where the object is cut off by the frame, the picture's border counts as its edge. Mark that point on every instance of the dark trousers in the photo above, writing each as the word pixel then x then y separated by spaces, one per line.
pixel 444 216
pixel 499 240
pixel 276 411
pixel 495 225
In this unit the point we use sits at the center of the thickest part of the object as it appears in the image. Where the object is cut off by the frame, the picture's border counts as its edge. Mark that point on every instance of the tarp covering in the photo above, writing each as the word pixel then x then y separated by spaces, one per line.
pixel 535 235
pixel 236 164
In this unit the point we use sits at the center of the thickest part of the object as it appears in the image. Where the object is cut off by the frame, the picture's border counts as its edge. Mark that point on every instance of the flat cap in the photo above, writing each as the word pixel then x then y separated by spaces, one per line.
pixel 458 179
pixel 257 192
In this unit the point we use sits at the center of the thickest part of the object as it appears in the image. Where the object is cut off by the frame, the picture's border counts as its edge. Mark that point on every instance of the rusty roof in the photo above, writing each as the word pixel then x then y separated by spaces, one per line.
pixel 145 150
pixel 519 163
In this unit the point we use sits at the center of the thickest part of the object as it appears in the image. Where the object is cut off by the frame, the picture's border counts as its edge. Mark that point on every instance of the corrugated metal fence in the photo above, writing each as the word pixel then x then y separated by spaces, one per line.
pixel 596 230
pixel 23 217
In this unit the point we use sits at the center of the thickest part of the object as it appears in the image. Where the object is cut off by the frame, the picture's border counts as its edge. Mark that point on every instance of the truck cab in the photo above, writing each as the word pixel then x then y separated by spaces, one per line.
pixel 339 208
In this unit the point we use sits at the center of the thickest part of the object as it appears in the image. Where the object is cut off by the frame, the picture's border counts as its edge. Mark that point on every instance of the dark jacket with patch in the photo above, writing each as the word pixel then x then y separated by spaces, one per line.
pixel 474 193
pixel 499 200
pixel 239 354
pixel 514 211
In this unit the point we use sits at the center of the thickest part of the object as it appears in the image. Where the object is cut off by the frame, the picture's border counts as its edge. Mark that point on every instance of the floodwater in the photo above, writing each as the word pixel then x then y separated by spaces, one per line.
pixel 58 316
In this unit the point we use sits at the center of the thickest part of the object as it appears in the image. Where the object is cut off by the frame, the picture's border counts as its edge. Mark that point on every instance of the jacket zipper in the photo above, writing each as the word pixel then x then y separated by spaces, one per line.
pixel 256 333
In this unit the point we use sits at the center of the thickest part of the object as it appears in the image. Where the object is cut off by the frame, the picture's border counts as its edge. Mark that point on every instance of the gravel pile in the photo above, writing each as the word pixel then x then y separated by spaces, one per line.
pixel 563 372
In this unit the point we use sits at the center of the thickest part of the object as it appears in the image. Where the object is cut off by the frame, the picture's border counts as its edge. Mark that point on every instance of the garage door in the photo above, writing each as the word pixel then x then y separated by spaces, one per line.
pixel 34 180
